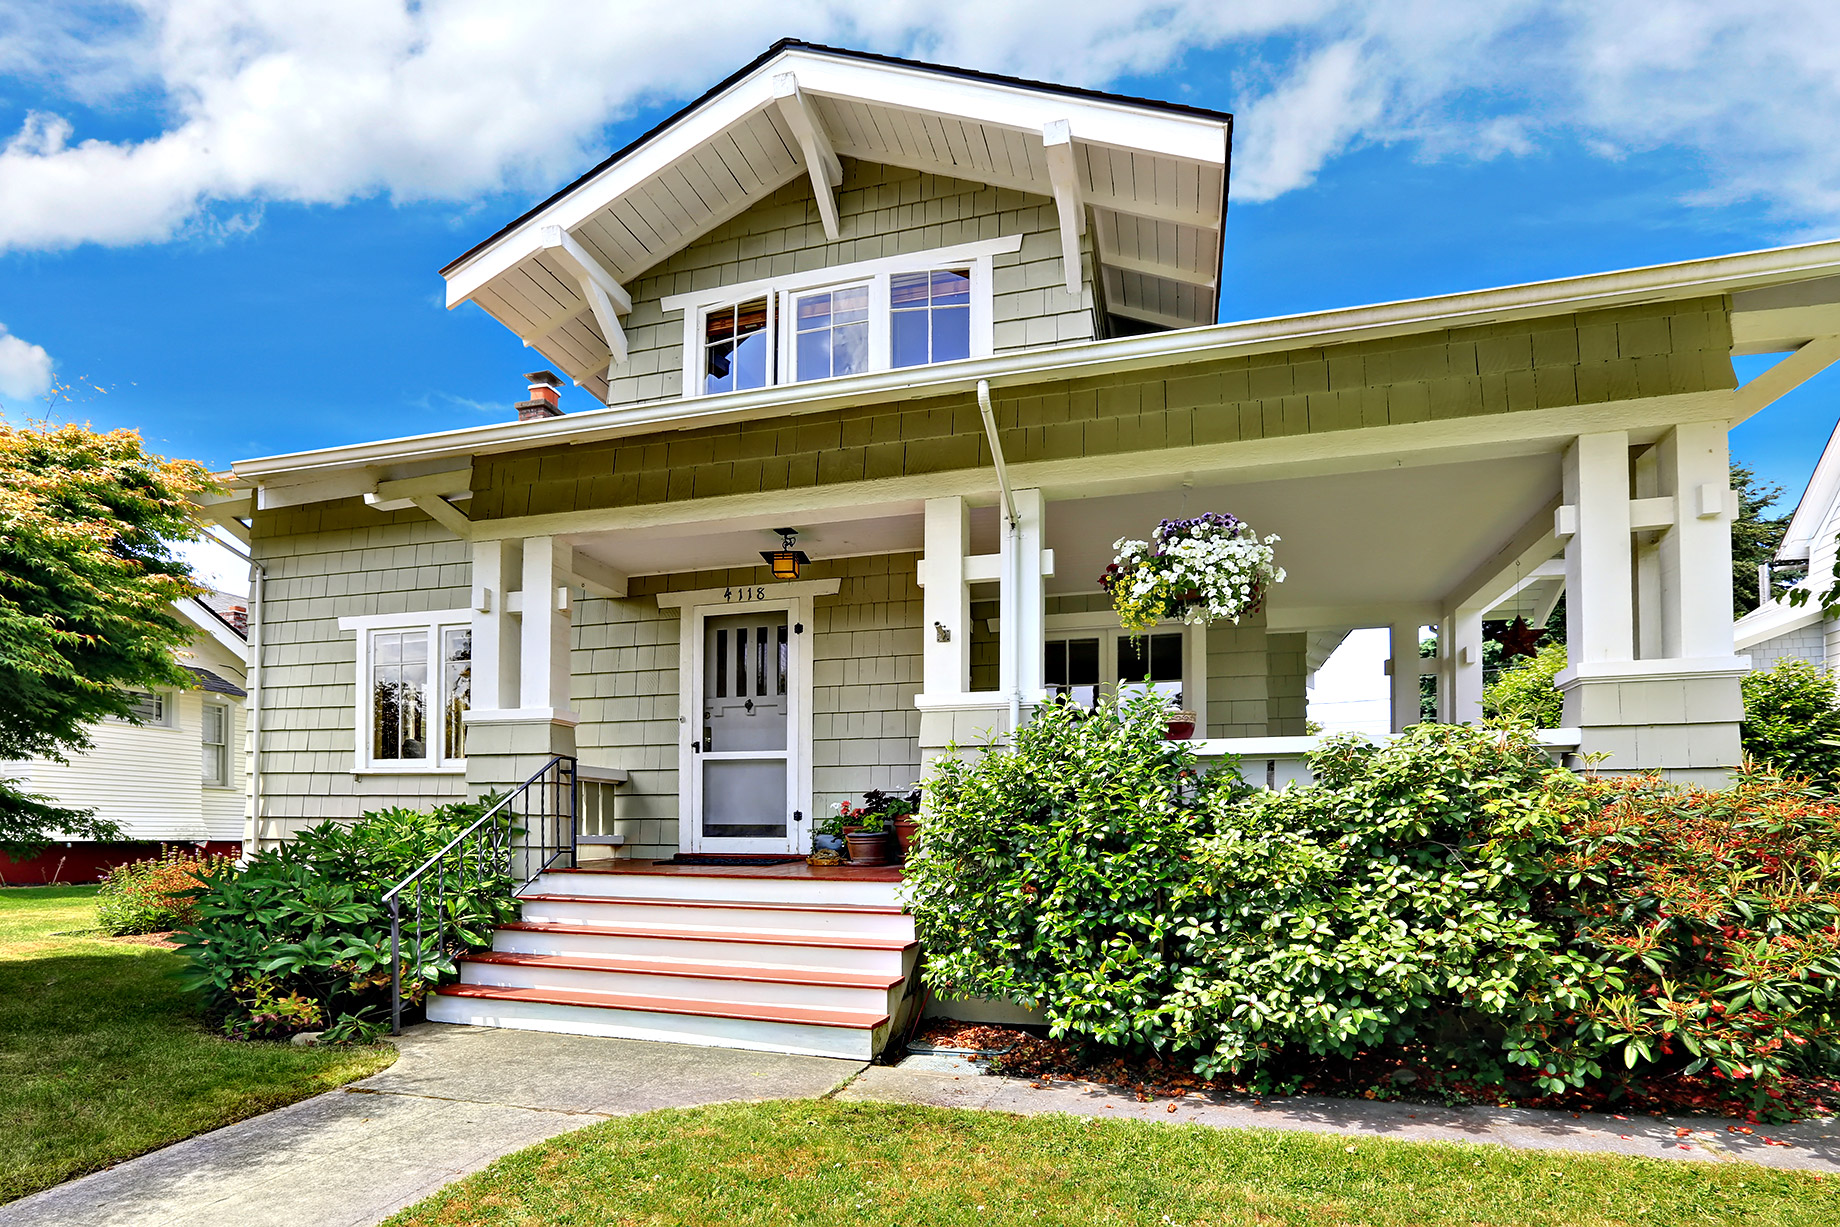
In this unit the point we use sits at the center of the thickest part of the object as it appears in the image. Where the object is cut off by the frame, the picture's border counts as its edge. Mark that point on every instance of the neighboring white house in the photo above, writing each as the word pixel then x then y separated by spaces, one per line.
pixel 1778 630
pixel 178 777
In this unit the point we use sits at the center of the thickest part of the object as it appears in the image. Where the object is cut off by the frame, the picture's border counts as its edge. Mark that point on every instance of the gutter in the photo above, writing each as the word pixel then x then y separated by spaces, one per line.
pixel 1716 275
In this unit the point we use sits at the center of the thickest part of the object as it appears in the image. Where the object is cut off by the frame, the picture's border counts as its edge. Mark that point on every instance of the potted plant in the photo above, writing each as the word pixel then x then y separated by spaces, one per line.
pixel 1213 566
pixel 901 812
pixel 1182 724
pixel 865 833
pixel 828 837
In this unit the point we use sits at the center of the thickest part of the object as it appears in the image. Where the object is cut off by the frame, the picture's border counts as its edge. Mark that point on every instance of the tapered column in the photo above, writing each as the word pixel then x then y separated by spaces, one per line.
pixel 1599 609
pixel 1023 628
pixel 497 570
pixel 1465 667
pixel 1695 557
pixel 1405 676
pixel 544 669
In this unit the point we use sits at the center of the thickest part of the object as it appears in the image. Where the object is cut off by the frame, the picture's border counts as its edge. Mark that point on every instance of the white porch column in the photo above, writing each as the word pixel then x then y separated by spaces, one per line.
pixel 1599 610
pixel 496 571
pixel 1405 668
pixel 544 668
pixel 945 632
pixel 1465 706
pixel 1022 640
pixel 1695 557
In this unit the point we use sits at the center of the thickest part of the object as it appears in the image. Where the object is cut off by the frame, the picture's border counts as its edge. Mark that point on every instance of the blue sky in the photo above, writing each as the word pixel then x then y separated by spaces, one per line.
pixel 243 258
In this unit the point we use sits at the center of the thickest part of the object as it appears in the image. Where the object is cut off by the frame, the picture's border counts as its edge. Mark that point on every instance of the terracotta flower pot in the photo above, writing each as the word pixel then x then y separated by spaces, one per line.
pixel 1181 725
pixel 867 847
pixel 906 831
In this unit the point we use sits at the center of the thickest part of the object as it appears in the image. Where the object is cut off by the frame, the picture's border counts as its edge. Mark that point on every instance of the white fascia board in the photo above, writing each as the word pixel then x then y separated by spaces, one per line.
pixel 1101 121
pixel 1768 621
pixel 1688 279
pixel 213 628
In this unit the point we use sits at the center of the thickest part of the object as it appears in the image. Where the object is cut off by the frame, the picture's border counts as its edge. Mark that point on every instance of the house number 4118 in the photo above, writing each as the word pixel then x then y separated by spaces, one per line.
pixel 744 594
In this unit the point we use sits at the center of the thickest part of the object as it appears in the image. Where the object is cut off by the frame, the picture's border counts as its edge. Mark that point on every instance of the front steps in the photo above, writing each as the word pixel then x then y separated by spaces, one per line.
pixel 816 966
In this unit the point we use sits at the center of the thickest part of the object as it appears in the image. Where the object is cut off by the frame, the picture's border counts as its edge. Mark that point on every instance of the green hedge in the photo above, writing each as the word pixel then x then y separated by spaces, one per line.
pixel 1453 890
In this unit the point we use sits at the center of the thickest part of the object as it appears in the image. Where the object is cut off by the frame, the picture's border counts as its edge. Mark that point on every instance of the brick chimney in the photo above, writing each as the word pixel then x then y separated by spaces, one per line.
pixel 239 619
pixel 545 392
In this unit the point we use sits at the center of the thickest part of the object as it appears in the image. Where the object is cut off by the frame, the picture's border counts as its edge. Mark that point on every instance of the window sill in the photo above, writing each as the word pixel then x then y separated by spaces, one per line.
pixel 449 769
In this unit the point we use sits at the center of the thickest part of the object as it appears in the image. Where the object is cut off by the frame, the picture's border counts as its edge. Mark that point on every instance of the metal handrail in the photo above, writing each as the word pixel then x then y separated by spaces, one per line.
pixel 555 788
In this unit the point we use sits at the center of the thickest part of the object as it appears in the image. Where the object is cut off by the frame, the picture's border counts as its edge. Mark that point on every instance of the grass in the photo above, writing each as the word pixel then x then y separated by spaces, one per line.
pixel 829 1162
pixel 103 1056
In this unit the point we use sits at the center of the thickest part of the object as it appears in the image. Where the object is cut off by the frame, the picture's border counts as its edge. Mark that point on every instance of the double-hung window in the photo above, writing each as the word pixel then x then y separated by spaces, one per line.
pixel 877 315
pixel 153 708
pixel 415 683
pixel 214 733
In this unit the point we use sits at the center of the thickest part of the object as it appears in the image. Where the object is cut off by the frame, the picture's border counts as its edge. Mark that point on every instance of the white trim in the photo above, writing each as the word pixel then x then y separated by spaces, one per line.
pixel 435 622
pixel 769 593
pixel 1662 670
pixel 908 262
pixel 801 637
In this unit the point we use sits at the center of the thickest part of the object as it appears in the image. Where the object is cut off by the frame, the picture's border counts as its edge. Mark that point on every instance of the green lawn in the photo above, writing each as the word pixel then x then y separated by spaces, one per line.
pixel 828 1162
pixel 102 1056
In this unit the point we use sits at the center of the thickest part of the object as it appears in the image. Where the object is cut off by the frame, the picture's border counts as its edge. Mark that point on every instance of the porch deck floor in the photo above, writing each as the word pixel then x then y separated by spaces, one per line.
pixel 798 870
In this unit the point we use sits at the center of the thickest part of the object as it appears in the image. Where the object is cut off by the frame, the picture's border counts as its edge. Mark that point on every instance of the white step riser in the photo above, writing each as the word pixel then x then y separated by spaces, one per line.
pixel 738 920
pixel 801 1038
pixel 753 992
pixel 843 958
pixel 730 890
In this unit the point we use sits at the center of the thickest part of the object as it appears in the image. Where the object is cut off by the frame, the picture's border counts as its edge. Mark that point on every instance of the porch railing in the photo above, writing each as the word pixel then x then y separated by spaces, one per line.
pixel 450 904
pixel 1273 762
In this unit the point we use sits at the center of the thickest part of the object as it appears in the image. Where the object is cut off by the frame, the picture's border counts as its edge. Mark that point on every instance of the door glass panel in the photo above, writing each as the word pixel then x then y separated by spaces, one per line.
pixel 744 798
pixel 1073 670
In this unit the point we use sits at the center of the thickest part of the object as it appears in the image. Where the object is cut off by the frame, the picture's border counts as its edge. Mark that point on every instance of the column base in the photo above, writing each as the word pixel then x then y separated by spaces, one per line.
pixel 1677 718
pixel 504 748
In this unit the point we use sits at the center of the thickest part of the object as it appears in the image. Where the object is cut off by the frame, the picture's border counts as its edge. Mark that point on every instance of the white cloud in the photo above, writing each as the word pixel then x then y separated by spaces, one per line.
pixel 254 101
pixel 25 368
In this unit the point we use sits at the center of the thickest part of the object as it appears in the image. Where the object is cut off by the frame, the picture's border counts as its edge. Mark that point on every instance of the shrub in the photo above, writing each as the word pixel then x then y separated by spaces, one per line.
pixel 300 935
pixel 156 895
pixel 1714 915
pixel 1523 692
pixel 1791 722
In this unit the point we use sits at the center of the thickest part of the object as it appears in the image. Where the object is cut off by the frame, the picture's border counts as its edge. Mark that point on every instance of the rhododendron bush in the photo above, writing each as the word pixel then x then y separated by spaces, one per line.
pixel 1453 895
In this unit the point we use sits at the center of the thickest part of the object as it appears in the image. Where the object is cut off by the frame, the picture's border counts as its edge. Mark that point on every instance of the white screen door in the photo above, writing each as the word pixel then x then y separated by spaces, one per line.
pixel 744 755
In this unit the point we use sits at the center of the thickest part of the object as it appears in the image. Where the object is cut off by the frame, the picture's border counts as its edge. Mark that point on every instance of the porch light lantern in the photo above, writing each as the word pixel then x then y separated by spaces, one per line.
pixel 786 560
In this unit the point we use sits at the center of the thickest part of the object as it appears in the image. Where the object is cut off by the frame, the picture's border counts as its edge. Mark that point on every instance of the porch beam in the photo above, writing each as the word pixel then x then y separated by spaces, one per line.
pixel 1148 316
pixel 821 161
pixel 606 297
pixel 1786 376
pixel 1495 577
pixel 1057 144
pixel 399 495
pixel 445 514
pixel 597 577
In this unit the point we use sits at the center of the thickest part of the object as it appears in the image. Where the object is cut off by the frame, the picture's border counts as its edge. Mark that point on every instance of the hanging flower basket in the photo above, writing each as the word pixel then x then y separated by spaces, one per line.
pixel 1197 571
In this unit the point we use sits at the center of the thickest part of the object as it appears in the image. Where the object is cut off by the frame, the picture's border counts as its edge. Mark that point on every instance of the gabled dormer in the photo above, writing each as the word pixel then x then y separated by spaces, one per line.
pixel 823 213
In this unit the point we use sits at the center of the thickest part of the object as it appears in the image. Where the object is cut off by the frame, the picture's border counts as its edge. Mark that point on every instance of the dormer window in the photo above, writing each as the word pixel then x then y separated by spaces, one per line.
pixel 877 315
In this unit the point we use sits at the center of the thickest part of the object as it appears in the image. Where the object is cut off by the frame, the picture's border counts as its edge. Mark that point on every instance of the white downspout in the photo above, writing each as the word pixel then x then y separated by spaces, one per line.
pixel 1013 623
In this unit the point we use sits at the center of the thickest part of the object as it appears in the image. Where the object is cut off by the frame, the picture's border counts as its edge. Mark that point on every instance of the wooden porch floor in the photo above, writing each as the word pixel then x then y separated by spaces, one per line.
pixel 797 870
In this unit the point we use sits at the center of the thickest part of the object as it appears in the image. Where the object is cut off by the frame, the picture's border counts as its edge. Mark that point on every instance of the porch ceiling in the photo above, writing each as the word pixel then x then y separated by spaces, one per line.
pixel 1353 543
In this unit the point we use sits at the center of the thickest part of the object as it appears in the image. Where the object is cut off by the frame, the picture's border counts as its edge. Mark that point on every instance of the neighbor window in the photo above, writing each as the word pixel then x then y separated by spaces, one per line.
pixel 152 708
pixel 415 686
pixel 215 734
pixel 891 313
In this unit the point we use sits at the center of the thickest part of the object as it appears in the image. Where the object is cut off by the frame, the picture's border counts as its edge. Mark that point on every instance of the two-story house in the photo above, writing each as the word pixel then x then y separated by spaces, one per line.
pixel 865 366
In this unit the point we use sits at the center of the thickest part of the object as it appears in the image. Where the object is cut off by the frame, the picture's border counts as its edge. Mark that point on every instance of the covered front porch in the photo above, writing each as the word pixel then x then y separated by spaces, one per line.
pixel 721 710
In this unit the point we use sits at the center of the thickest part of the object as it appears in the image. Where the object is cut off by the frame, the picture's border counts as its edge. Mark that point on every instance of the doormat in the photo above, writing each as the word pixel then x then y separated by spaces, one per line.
pixel 738 858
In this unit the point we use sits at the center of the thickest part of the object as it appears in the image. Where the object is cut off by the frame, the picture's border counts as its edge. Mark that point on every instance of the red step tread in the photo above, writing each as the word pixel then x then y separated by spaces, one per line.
pixel 704 971
pixel 670 1005
pixel 852 941
pixel 875 909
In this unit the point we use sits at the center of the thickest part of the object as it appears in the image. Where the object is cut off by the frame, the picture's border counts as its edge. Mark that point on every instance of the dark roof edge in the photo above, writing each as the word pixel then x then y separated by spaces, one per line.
pixel 226 623
pixel 783 44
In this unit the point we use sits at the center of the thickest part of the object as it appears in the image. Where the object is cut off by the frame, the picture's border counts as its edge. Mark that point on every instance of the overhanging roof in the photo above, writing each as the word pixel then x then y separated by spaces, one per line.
pixel 1151 177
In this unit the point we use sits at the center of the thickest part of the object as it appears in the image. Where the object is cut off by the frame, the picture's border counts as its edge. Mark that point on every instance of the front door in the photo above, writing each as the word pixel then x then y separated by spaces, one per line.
pixel 745 758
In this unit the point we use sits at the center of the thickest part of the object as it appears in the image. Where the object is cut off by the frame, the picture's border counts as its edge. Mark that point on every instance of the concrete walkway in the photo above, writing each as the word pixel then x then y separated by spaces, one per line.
pixel 948 1082
pixel 455 1100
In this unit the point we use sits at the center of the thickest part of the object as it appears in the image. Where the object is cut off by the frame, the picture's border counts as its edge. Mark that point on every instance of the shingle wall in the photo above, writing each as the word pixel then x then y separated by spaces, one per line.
pixel 882 211
pixel 1587 358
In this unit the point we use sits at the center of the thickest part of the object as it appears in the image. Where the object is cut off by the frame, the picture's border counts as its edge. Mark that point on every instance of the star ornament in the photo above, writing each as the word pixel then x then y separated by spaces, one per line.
pixel 1519 639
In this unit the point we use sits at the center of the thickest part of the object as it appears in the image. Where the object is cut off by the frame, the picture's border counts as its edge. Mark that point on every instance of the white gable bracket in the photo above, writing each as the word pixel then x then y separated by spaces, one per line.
pixel 815 144
pixel 606 296
pixel 1057 140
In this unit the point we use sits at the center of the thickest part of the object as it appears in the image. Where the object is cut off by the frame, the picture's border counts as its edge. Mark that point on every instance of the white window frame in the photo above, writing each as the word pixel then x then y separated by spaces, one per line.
pixel 169 711
pixel 435 622
pixel 204 726
pixel 978 258
pixel 1109 630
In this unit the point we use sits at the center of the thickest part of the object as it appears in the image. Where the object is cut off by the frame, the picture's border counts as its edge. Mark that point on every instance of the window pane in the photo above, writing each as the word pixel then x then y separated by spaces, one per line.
pixel 814 312
pixel 457 689
pixel 1133 659
pixel 719 368
pixel 719 325
pixel 1055 671
pixel 1083 662
pixel 721 665
pixel 951 333
pixel 951 285
pixel 782 658
pixel 907 290
pixel 750 362
pixel 849 306
pixel 760 660
pixel 741 689
pixel 814 355
pixel 399 685
pixel 850 349
pixel 908 329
